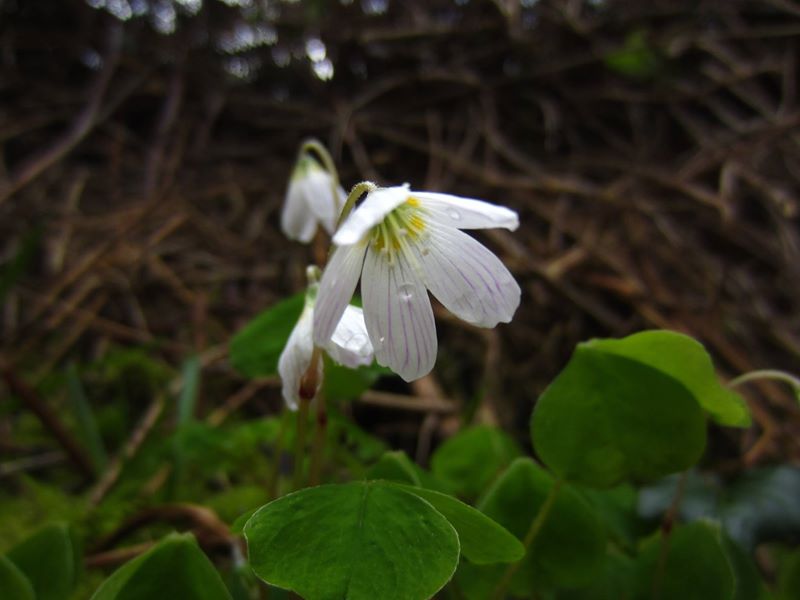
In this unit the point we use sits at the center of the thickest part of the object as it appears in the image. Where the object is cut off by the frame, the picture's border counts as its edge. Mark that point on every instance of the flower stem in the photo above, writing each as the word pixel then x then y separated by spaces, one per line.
pixel 768 374
pixel 318 445
pixel 312 145
pixel 300 442
pixel 272 480
pixel 355 194
pixel 530 537
pixel 667 525
pixel 309 385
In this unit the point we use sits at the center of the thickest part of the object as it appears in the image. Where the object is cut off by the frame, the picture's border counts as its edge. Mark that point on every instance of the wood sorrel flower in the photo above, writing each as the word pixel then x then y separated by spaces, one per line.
pixel 310 201
pixel 401 242
pixel 349 345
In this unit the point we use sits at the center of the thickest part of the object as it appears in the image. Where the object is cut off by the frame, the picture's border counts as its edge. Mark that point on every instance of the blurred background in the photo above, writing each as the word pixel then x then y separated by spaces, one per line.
pixel 652 150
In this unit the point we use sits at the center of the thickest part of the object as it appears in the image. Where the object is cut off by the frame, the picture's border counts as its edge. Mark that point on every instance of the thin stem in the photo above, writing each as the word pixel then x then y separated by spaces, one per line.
pixel 309 384
pixel 300 442
pixel 318 445
pixel 275 468
pixel 312 145
pixel 767 374
pixel 530 537
pixel 667 525
pixel 355 194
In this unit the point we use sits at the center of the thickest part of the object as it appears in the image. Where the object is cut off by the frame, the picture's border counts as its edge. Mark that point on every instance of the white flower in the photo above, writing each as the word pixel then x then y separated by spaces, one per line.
pixel 349 346
pixel 310 201
pixel 401 242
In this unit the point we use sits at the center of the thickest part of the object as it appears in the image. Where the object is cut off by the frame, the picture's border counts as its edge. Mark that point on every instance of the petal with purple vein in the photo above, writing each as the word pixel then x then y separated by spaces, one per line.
pixel 398 315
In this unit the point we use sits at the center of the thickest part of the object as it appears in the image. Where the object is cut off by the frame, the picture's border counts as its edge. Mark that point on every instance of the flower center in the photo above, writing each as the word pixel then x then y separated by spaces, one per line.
pixel 405 223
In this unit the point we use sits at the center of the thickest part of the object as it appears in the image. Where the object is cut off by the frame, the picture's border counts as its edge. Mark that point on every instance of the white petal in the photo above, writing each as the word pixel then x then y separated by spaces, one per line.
pixel 350 345
pixel 466 213
pixel 296 358
pixel 318 190
pixel 369 213
pixel 398 315
pixel 335 290
pixel 467 278
pixel 297 221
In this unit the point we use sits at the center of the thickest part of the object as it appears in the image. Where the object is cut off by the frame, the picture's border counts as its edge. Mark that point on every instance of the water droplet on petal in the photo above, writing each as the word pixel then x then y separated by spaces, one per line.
pixel 405 292
pixel 357 340
pixel 454 214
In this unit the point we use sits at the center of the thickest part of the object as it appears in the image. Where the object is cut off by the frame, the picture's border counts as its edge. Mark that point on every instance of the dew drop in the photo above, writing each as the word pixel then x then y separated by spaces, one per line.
pixel 454 214
pixel 406 292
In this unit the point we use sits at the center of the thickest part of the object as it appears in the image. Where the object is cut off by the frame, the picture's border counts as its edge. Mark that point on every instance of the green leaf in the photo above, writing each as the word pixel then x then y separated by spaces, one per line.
pixel 569 549
pixel 686 360
pixel 49 560
pixel 607 418
pixel 354 541
pixel 255 349
pixel 616 507
pixel 190 376
pixel 616 580
pixel 789 577
pixel 470 460
pixel 13 583
pixel 342 383
pixel 84 418
pixel 482 540
pixel 173 568
pixel 695 566
pixel 395 466
pixel 749 584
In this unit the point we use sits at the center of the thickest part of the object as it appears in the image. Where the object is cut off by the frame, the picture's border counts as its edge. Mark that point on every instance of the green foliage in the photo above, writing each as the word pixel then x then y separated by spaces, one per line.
pixel 637 59
pixel 621 412
pixel 692 566
pixel 255 349
pixel 615 580
pixel 569 549
pixel 482 540
pixel 174 568
pixel 789 577
pixel 342 383
pixel 355 541
pixel 616 508
pixel 749 585
pixel 396 466
pixel 190 377
pixel 85 421
pixel 13 582
pixel 470 460
pixel 685 360
pixel 608 418
pixel 211 448
pixel 33 503
pixel 50 560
